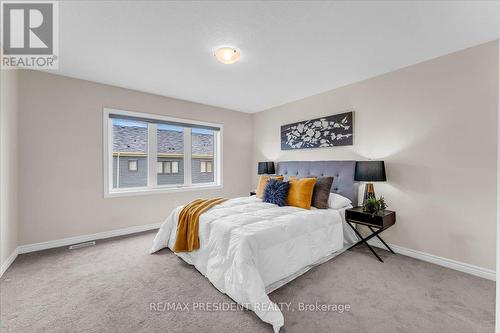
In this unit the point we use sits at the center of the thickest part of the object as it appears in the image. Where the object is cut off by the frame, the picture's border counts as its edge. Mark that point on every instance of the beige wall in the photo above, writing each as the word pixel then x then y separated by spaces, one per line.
pixel 435 125
pixel 8 163
pixel 61 166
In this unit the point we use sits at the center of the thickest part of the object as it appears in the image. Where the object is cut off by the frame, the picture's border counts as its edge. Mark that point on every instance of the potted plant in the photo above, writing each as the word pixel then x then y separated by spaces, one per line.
pixel 374 206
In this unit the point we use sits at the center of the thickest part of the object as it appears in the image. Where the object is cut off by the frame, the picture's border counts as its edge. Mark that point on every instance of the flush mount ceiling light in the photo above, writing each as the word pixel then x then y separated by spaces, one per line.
pixel 227 55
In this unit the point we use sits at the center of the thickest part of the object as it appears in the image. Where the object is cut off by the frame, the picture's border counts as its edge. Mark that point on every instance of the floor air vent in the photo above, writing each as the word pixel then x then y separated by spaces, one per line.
pixel 77 246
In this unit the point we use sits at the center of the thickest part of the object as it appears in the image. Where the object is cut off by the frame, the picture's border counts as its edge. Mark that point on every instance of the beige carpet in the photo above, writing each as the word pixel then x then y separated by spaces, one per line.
pixel 110 288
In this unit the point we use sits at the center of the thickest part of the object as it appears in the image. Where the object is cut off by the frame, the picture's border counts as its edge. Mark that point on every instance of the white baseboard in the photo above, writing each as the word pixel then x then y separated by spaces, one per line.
pixel 73 240
pixel 85 238
pixel 448 263
pixel 8 262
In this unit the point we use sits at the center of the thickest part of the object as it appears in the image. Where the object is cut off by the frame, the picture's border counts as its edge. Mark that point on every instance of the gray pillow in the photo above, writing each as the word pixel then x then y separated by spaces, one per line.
pixel 322 192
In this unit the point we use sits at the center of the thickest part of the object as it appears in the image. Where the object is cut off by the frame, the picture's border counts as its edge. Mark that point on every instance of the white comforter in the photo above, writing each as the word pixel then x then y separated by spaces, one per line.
pixel 247 245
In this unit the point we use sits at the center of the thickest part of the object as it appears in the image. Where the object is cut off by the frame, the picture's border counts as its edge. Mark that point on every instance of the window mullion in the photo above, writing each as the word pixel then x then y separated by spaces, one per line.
pixel 111 158
pixel 187 156
pixel 152 155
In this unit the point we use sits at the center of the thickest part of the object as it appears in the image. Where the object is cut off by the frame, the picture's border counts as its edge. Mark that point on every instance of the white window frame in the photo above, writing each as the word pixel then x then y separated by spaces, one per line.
pixel 152 186
pixel 136 162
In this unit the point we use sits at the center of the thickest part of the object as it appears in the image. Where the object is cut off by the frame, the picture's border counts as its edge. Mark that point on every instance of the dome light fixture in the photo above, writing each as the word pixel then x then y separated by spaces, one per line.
pixel 227 55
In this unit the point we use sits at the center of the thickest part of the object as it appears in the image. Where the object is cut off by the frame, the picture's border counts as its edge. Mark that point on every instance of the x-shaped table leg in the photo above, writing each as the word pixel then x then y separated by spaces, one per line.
pixel 366 239
pixel 380 239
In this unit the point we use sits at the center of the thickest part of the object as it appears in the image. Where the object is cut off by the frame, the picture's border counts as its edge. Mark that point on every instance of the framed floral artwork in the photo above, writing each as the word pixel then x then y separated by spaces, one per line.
pixel 330 131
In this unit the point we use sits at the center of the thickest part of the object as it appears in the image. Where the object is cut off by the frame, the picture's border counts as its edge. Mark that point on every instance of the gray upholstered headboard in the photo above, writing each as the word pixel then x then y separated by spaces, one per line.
pixel 342 172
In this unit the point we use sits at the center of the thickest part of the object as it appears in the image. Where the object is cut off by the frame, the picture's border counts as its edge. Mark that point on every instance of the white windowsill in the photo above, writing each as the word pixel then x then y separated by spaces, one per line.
pixel 159 190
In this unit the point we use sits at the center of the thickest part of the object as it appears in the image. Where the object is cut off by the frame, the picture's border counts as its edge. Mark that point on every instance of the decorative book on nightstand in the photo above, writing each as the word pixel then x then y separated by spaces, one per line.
pixel 376 223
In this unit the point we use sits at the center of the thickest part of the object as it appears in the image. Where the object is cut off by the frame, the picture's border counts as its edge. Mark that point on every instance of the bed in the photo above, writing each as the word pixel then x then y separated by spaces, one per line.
pixel 249 248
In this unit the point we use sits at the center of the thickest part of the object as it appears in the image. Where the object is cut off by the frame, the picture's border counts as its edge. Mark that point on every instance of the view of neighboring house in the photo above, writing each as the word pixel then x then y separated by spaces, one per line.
pixel 130 146
pixel 202 153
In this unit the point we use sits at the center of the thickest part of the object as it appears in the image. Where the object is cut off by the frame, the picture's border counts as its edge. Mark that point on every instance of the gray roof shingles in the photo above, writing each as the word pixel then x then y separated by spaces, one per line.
pixel 203 144
pixel 170 142
pixel 134 139
pixel 130 139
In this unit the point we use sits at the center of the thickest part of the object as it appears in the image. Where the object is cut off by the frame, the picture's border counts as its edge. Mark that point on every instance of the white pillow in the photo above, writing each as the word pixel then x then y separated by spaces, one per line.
pixel 337 201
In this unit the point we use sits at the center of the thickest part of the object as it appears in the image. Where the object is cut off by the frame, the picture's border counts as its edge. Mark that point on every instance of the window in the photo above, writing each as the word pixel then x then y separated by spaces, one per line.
pixel 174 166
pixel 170 152
pixel 167 167
pixel 203 151
pixel 148 153
pixel 205 166
pixel 129 144
pixel 132 165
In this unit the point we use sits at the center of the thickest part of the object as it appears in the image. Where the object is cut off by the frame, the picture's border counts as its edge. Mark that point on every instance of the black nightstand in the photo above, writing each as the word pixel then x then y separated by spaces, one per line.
pixel 380 222
pixel 252 193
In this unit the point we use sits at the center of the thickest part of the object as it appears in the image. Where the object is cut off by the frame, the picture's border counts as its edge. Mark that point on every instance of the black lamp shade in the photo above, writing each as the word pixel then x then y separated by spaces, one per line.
pixel 265 168
pixel 370 171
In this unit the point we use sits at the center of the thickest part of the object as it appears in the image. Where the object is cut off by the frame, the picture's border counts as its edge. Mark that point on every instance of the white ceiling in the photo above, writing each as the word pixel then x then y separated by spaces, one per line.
pixel 289 50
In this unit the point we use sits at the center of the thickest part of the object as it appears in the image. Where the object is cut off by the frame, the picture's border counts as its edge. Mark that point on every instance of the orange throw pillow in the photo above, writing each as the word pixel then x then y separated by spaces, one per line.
pixel 300 192
pixel 263 182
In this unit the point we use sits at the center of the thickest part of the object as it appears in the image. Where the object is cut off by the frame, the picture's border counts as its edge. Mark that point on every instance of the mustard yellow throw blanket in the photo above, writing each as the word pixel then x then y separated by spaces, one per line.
pixel 187 227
